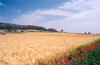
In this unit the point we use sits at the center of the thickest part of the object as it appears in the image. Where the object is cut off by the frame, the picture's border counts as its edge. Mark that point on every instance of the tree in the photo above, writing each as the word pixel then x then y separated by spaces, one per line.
pixel 89 33
pixel 22 31
pixel 61 30
pixel 15 30
pixel 85 33
pixel 9 30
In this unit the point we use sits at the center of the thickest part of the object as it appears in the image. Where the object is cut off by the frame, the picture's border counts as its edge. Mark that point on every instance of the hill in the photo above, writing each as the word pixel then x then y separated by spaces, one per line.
pixel 10 26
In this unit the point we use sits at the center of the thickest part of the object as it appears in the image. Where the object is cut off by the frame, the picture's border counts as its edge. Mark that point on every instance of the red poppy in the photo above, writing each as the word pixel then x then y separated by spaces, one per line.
pixel 76 50
pixel 55 64
pixel 75 54
pixel 85 59
pixel 91 47
pixel 95 45
pixel 99 41
pixel 79 51
pixel 60 61
pixel 81 58
pixel 71 54
pixel 93 56
pixel 72 61
pixel 83 49
pixel 69 60
pixel 84 54
pixel 65 60
pixel 90 53
pixel 88 48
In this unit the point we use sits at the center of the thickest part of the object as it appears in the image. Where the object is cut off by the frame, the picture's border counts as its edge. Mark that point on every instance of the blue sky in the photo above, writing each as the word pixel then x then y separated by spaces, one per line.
pixel 70 15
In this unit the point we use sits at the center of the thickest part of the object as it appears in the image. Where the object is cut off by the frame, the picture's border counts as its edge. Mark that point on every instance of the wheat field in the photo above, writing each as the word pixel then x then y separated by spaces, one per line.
pixel 37 48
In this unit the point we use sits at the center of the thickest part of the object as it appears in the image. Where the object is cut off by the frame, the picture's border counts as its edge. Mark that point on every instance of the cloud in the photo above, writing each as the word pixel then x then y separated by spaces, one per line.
pixel 56 12
pixel 13 10
pixel 1 4
pixel 29 19
pixel 18 10
pixel 72 16
pixel 80 5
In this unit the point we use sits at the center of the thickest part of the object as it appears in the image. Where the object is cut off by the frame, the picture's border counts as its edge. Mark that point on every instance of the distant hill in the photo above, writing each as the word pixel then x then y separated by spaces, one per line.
pixel 9 26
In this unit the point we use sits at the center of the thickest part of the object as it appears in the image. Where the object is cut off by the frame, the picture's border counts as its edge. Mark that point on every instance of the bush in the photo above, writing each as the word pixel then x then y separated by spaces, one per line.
pixel 89 33
pixel 22 31
pixel 85 33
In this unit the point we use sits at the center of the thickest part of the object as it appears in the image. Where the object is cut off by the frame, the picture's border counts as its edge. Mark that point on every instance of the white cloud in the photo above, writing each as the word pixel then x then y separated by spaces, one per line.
pixel 29 19
pixel 18 10
pixel 13 10
pixel 56 12
pixel 72 16
pixel 1 4
pixel 80 5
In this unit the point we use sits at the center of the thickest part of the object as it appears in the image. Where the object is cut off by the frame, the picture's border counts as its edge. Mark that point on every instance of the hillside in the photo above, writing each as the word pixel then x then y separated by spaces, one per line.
pixel 10 26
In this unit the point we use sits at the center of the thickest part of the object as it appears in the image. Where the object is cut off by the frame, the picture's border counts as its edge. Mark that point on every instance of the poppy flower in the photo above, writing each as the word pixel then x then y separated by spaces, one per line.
pixel 88 48
pixel 99 41
pixel 69 60
pixel 91 47
pixel 76 50
pixel 71 54
pixel 85 59
pixel 95 45
pixel 75 54
pixel 60 61
pixel 72 61
pixel 81 58
pixel 79 51
pixel 84 54
pixel 90 53
pixel 65 60
pixel 93 56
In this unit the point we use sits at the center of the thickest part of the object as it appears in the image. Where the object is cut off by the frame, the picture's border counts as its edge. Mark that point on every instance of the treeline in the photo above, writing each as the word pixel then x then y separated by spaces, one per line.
pixel 10 26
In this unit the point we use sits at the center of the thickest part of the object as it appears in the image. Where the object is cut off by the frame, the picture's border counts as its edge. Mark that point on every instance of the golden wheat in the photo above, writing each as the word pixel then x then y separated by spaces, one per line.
pixel 37 48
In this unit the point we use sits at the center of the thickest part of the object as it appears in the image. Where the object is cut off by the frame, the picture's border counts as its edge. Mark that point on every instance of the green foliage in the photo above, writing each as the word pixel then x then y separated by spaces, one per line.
pixel 84 55
pixel 22 31
pixel 10 26
pixel 85 33
pixel 61 30
pixel 89 33
pixel 52 30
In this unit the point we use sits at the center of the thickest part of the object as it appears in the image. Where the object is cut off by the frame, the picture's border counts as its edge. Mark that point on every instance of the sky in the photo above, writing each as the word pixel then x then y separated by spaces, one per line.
pixel 77 16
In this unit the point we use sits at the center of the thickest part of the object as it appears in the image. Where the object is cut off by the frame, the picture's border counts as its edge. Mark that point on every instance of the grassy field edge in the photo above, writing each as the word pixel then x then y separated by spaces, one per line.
pixel 59 61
